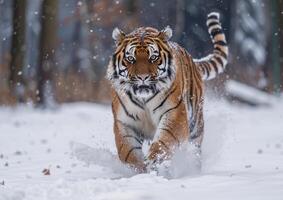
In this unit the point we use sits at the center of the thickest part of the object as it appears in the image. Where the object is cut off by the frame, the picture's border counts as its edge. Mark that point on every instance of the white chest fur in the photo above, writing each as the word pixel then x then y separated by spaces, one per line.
pixel 143 118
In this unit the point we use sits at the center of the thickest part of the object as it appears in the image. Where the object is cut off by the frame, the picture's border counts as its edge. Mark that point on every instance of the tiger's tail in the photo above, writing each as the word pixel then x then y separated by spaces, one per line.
pixel 216 62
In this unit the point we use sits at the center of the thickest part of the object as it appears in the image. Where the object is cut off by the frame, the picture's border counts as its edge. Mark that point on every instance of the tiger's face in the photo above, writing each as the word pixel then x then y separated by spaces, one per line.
pixel 142 62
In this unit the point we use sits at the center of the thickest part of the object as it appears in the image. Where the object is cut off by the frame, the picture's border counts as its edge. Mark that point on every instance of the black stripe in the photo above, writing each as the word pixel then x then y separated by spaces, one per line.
pixel 169 72
pixel 204 69
pixel 212 17
pixel 170 59
pixel 120 148
pixel 219 60
pixel 221 52
pixel 221 43
pixel 215 32
pixel 213 24
pixel 124 62
pixel 115 74
pixel 161 104
pixel 121 71
pixel 193 122
pixel 134 101
pixel 131 136
pixel 191 87
pixel 206 66
pixel 164 55
pixel 139 135
pixel 152 97
pixel 170 133
pixel 194 136
pixel 162 69
pixel 126 111
pixel 171 109
pixel 131 150
pixel 134 43
pixel 164 48
pixel 163 144
pixel 214 66
pixel 114 61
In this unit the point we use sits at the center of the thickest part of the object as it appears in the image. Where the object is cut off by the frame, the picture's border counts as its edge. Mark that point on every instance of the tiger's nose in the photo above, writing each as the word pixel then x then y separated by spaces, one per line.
pixel 143 77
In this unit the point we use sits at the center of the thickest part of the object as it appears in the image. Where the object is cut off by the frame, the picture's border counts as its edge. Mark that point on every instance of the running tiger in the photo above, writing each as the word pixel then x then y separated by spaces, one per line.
pixel 157 92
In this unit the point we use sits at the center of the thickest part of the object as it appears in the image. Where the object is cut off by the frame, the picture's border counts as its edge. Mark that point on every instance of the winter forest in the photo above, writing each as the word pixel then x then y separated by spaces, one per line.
pixel 56 122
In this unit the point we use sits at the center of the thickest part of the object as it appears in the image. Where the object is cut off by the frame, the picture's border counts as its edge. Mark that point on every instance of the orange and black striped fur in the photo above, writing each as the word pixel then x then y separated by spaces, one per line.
pixel 157 92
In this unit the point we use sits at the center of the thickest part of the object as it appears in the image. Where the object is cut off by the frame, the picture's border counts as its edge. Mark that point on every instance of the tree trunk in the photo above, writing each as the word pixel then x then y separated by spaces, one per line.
pixel 275 46
pixel 18 50
pixel 48 39
pixel 281 39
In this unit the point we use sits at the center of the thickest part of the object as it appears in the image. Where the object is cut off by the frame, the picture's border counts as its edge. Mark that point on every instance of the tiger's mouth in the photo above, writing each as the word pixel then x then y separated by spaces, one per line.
pixel 144 90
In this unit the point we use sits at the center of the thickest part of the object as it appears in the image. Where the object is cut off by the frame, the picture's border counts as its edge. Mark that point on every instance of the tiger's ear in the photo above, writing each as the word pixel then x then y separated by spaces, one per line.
pixel 166 33
pixel 118 35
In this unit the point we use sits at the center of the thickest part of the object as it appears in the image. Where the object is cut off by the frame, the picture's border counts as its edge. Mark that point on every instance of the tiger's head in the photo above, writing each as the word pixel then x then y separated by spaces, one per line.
pixel 142 62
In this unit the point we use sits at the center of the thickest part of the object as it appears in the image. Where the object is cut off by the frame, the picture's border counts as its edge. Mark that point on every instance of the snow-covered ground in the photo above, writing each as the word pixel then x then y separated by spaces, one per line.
pixel 242 156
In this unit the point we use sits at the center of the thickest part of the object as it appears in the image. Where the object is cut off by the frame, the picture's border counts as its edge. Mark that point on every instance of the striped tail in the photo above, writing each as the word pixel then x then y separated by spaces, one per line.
pixel 216 62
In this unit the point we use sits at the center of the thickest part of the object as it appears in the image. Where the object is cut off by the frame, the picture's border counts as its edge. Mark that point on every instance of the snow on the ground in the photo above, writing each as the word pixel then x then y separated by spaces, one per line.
pixel 242 156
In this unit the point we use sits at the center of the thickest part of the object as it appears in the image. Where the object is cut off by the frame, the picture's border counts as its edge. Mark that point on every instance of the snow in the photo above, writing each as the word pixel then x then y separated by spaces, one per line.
pixel 249 94
pixel 242 156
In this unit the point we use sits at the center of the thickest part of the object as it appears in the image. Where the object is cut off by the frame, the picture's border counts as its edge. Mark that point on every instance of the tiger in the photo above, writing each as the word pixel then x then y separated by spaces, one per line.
pixel 157 91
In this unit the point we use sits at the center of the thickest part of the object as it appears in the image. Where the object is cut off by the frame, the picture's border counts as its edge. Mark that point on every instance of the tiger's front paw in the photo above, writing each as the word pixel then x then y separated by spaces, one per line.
pixel 139 168
pixel 151 165
pixel 157 154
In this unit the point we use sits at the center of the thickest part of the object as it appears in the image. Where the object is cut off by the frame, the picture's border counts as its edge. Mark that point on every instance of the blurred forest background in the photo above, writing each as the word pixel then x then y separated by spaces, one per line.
pixel 54 51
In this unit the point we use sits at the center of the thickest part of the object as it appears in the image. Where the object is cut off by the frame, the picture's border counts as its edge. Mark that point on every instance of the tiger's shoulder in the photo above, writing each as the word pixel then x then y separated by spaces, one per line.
pixel 182 58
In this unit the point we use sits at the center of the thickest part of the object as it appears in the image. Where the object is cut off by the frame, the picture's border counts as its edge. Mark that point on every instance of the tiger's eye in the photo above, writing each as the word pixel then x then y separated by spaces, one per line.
pixel 131 59
pixel 153 58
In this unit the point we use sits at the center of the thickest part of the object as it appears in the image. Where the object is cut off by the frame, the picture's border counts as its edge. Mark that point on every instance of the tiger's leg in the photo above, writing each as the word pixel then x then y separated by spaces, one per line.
pixel 129 146
pixel 197 137
pixel 172 131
